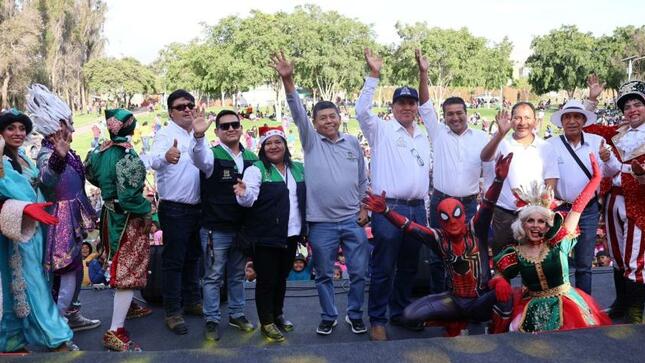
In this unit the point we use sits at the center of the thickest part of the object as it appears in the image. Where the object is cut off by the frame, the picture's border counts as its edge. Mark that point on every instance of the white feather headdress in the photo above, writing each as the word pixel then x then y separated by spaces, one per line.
pixel 47 110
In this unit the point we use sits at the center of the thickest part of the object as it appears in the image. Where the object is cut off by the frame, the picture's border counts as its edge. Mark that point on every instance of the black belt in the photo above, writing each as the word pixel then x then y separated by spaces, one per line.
pixel 177 204
pixel 466 199
pixel 408 202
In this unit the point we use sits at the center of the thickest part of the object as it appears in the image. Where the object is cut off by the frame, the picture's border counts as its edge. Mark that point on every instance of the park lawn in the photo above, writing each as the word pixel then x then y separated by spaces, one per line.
pixel 83 139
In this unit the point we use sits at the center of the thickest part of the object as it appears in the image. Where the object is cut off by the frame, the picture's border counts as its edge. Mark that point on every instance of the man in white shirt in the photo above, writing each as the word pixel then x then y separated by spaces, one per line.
pixel 457 168
pixel 533 161
pixel 179 211
pixel 401 168
pixel 572 150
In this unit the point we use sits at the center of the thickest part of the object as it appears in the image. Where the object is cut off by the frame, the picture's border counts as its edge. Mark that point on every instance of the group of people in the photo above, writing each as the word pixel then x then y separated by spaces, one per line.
pixel 224 205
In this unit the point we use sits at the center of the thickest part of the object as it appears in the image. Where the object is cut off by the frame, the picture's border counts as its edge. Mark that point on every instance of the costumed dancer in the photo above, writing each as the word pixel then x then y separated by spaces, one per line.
pixel 624 203
pixel 116 169
pixel 463 247
pixel 544 241
pixel 62 181
pixel 28 312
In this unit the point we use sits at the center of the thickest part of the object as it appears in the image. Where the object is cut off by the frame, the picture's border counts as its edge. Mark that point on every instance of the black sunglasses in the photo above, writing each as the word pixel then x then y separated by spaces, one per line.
pixel 183 106
pixel 235 125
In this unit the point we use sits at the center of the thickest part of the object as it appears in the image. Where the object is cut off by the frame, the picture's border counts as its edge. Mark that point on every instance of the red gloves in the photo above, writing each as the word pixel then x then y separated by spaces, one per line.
pixel 502 165
pixel 590 189
pixel 37 212
pixel 503 289
pixel 375 203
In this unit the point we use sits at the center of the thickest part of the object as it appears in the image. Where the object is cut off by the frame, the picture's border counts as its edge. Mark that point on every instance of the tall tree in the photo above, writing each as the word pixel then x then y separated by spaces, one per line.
pixel 120 78
pixel 561 60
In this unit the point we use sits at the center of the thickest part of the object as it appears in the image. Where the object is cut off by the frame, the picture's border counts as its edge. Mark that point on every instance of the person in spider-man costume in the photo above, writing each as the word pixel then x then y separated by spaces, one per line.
pixel 464 249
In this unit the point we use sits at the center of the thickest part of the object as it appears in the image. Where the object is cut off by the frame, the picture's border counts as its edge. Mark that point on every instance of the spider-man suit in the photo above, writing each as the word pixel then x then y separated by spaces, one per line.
pixel 464 250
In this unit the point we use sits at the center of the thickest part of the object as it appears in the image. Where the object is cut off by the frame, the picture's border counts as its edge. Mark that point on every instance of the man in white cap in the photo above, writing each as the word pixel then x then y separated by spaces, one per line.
pixel 572 150
pixel 624 207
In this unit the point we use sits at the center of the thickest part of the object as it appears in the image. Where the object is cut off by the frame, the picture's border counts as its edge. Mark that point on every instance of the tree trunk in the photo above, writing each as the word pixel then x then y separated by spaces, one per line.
pixel 5 92
pixel 81 92
pixel 222 98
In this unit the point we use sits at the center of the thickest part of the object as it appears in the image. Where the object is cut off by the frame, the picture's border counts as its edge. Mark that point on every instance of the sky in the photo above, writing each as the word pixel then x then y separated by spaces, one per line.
pixel 140 28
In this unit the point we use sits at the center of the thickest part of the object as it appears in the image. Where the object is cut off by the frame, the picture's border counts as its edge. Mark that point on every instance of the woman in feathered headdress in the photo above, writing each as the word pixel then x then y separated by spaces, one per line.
pixel 62 181
pixel 544 240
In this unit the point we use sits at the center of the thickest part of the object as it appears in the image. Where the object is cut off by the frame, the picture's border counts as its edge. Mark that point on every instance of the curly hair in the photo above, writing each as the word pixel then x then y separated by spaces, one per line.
pixel 523 215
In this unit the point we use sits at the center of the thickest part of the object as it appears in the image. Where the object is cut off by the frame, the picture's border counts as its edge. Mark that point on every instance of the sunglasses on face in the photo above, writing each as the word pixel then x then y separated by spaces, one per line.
pixel 235 125
pixel 183 106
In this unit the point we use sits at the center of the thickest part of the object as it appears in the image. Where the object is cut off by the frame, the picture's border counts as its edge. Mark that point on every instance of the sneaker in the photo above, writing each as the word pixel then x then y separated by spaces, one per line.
pixel 241 323
pixel 78 322
pixel 211 332
pixel 196 310
pixel 137 311
pixel 284 324
pixel 378 333
pixel 410 325
pixel 326 326
pixel 271 332
pixel 358 327
pixel 177 324
pixel 119 341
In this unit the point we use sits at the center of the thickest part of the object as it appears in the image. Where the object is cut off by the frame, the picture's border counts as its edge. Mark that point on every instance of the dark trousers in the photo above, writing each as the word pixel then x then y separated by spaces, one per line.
pixel 438 278
pixel 502 232
pixel 272 266
pixel 180 257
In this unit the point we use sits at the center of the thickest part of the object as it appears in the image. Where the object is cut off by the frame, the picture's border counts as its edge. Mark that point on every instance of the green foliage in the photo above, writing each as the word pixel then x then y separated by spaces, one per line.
pixel 120 78
pixel 561 60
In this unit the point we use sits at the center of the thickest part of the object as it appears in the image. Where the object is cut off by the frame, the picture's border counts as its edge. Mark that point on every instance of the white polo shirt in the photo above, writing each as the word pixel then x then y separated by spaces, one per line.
pixel 456 160
pixel 400 162
pixel 572 178
pixel 534 162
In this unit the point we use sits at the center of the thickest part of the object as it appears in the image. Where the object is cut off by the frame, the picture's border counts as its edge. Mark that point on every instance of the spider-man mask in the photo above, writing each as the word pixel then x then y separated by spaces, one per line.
pixel 452 217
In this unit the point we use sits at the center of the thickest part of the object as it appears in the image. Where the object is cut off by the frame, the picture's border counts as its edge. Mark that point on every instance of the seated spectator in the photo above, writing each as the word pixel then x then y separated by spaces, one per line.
pixel 156 235
pixel 603 259
pixel 88 254
pixel 338 274
pixel 301 269
pixel 96 271
pixel 249 272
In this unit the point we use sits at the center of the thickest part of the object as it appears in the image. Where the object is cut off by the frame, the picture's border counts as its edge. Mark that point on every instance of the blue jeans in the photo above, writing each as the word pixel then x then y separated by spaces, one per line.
pixel 325 238
pixel 393 264
pixel 584 248
pixel 223 259
pixel 437 269
pixel 180 257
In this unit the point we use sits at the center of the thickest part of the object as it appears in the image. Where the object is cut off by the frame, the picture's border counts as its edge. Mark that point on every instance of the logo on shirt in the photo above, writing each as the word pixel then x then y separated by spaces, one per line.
pixel 351 156
pixel 226 175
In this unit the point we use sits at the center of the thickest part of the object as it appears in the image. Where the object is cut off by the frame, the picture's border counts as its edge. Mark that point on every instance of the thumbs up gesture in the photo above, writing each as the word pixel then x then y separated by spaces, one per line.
pixel 173 154
pixel 604 152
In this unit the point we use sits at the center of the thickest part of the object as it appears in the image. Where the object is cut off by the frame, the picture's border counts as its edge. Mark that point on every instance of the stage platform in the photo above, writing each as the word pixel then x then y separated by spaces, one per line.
pixel 620 343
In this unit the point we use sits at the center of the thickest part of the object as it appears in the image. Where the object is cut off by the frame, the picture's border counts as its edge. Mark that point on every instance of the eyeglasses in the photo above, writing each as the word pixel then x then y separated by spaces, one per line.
pixel 415 153
pixel 183 106
pixel 235 125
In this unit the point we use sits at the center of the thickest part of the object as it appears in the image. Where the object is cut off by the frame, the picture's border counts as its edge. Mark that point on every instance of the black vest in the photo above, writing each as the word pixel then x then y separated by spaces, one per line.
pixel 267 221
pixel 220 210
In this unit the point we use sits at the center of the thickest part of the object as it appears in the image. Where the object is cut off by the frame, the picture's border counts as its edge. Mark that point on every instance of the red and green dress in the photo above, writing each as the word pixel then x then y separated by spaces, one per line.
pixel 548 301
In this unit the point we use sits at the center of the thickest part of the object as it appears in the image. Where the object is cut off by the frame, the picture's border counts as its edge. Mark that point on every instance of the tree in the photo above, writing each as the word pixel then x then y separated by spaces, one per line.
pixel 561 60
pixel 120 78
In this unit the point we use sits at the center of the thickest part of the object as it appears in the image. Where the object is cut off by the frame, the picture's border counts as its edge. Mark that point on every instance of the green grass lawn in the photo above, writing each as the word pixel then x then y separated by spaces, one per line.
pixel 83 139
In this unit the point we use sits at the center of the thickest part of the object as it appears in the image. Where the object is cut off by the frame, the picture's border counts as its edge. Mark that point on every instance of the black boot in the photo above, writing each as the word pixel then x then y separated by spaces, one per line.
pixel 618 308
pixel 635 301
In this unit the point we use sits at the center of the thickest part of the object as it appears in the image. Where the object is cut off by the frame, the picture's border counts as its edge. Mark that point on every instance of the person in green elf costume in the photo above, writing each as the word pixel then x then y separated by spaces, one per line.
pixel 117 170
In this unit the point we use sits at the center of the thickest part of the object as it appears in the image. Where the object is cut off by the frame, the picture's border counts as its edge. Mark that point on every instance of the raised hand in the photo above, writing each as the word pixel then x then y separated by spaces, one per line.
pixel 422 62
pixel 61 143
pixel 595 87
pixel 637 168
pixel 200 124
pixel 280 63
pixel 503 119
pixel 502 166
pixel 604 151
pixel 239 188
pixel 173 154
pixel 503 289
pixel 36 211
pixel 374 62
pixel 375 203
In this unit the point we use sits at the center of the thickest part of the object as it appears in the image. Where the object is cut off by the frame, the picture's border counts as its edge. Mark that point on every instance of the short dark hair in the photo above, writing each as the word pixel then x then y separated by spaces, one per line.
pixel 453 101
pixel 323 105
pixel 180 93
pixel 623 100
pixel 223 113
pixel 523 103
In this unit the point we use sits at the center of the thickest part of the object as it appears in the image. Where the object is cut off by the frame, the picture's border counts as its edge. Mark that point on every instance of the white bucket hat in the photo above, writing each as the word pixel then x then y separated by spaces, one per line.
pixel 573 106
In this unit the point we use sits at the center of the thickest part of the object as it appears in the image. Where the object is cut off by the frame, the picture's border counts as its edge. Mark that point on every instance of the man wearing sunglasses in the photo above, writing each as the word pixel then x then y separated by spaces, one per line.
pixel 221 167
pixel 179 211
pixel 400 167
